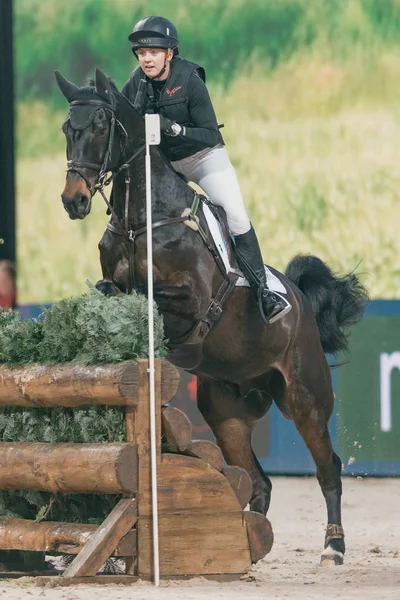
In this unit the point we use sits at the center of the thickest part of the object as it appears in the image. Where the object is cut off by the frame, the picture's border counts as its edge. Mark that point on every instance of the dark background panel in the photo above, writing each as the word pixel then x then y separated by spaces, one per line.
pixel 7 186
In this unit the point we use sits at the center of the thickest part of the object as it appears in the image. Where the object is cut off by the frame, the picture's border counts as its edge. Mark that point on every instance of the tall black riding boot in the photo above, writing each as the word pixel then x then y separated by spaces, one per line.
pixel 248 253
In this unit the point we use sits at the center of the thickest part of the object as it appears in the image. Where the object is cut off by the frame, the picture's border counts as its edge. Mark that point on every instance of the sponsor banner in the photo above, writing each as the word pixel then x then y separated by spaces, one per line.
pixel 368 392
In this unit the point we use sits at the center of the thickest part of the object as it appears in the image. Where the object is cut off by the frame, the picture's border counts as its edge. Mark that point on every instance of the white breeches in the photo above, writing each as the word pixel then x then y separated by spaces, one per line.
pixel 212 170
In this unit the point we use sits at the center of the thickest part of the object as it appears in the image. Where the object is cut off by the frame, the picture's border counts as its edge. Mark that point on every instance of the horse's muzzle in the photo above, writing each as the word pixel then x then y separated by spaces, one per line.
pixel 77 207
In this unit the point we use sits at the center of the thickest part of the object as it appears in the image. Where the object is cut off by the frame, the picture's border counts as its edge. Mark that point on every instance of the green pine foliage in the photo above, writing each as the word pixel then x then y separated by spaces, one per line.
pixel 19 338
pixel 89 329
pixel 117 329
pixel 60 425
pixel 61 337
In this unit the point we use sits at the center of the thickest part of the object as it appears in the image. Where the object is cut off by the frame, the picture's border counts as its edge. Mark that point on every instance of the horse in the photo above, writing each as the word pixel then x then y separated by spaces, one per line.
pixel 242 365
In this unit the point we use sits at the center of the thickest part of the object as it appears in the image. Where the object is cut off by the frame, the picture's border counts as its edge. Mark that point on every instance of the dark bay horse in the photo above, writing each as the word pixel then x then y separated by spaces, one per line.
pixel 244 365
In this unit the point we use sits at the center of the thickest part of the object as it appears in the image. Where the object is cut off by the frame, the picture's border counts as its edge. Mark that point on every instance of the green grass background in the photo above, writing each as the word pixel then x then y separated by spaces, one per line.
pixel 309 93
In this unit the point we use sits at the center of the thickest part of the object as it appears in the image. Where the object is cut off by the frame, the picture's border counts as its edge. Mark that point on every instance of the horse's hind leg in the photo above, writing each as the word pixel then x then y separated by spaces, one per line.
pixel 232 419
pixel 311 406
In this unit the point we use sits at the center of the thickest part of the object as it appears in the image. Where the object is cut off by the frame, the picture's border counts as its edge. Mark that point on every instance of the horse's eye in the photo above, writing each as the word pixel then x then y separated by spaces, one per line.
pixel 100 130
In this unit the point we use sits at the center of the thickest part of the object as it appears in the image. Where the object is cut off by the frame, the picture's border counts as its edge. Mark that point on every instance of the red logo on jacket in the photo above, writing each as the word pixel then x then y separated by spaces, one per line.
pixel 175 89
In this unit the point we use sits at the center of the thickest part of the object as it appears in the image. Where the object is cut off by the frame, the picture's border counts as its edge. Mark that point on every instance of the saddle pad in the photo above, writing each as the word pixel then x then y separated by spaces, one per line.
pixel 217 235
pixel 273 282
pixel 216 232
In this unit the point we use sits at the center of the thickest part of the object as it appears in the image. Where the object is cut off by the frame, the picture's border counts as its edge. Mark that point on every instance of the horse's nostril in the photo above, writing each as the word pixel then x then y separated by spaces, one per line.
pixel 80 199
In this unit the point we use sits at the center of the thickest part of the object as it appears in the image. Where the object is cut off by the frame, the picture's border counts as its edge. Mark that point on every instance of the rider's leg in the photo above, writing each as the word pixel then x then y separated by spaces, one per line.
pixel 250 261
pixel 212 170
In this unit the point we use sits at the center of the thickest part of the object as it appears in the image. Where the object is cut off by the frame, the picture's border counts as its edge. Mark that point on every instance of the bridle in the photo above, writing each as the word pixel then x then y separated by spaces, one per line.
pixel 103 180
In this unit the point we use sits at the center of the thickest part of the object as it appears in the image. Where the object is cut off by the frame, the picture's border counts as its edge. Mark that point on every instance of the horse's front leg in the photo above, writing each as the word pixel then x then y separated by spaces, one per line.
pixel 111 264
pixel 232 419
pixel 107 287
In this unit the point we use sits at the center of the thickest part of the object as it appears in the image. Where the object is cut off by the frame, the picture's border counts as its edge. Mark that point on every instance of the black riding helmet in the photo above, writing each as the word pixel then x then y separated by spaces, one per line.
pixel 154 32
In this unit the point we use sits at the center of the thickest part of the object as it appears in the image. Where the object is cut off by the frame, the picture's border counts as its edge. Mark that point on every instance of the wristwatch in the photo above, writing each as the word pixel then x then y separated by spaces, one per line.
pixel 176 129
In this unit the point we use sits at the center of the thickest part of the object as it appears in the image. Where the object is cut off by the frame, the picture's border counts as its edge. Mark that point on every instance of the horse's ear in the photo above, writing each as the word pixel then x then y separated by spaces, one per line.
pixel 68 89
pixel 103 87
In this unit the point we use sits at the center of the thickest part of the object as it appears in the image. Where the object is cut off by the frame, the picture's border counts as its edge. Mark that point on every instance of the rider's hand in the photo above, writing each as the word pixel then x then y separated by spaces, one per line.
pixel 168 127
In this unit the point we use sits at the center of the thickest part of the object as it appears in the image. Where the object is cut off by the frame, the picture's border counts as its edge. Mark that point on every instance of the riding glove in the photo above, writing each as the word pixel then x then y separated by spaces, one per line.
pixel 169 127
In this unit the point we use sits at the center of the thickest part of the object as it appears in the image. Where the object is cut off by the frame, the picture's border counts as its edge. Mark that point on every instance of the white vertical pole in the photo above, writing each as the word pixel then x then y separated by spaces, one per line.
pixel 152 138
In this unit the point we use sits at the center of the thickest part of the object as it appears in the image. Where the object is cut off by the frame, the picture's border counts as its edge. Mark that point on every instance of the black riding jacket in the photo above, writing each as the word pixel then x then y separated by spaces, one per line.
pixel 183 98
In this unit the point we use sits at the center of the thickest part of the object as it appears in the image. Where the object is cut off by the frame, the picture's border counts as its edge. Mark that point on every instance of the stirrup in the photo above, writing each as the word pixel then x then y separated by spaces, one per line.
pixel 281 313
pixel 285 310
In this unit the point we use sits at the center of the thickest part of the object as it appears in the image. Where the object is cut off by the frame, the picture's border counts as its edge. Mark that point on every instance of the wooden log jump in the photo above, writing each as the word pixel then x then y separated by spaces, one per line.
pixel 203 529
pixel 69 384
pixel 51 536
pixel 69 468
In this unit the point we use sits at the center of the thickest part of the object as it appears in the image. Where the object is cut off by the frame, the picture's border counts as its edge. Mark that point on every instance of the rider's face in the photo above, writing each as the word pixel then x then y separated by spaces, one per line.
pixel 152 61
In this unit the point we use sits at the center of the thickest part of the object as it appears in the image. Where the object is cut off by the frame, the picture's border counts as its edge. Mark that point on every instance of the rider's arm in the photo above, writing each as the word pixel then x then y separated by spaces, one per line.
pixel 204 130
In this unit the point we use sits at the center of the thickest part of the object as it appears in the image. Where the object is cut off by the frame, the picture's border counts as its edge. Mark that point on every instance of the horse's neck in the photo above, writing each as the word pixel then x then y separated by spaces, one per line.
pixel 170 194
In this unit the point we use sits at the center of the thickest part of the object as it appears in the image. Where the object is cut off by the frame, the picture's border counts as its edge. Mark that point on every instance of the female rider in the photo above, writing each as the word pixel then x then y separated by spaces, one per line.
pixel 175 88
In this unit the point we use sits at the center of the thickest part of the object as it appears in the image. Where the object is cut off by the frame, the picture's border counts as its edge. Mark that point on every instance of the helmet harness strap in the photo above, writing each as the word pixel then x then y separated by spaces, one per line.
pixel 161 73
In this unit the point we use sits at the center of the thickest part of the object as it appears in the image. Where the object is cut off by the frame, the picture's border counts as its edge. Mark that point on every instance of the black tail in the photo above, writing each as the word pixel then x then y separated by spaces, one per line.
pixel 337 302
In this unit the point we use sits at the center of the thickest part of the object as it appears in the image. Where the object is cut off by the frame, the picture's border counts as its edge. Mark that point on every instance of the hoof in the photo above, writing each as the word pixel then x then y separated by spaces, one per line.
pixel 331 557
pixel 106 287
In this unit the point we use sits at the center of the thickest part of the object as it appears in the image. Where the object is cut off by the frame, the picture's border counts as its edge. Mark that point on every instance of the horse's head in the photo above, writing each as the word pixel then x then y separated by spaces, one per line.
pixel 95 140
